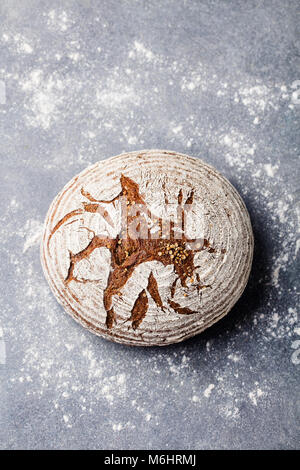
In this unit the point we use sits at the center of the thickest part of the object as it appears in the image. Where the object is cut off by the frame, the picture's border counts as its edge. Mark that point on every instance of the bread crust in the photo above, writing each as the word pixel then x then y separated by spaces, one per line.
pixel 178 263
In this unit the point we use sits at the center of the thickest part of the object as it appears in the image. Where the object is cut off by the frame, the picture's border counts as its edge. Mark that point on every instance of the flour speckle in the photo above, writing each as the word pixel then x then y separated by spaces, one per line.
pixel 32 232
pixel 255 98
pixel 45 96
pixel 115 95
pixel 117 427
pixel 234 357
pixel 58 20
pixel 270 169
pixel 255 395
pixel 140 51
pixel 208 390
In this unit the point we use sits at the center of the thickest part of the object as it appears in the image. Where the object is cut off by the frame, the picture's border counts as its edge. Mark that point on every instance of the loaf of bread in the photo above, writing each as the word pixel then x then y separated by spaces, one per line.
pixel 147 248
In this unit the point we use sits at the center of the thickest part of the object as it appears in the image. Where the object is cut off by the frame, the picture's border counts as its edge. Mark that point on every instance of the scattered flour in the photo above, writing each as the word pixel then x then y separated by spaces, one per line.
pixel 116 96
pixel 32 233
pixel 229 411
pixel 282 325
pixel 295 358
pixel 239 151
pixel 140 51
pixel 270 169
pixel 255 98
pixel 208 390
pixel 195 81
pixel 22 45
pixel 46 96
pixel 234 357
pixel 66 419
pixel 18 43
pixel 279 264
pixel 58 20
pixel 117 427
pixel 255 394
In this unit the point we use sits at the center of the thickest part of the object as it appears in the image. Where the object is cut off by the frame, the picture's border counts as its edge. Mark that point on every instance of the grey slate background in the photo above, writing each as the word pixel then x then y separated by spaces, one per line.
pixel 81 81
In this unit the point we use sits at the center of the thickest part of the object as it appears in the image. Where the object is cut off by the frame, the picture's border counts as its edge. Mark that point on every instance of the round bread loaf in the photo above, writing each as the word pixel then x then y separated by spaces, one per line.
pixel 147 248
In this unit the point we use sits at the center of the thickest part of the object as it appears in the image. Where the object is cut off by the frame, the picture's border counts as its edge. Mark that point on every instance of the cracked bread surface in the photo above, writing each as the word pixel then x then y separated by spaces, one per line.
pixel 147 248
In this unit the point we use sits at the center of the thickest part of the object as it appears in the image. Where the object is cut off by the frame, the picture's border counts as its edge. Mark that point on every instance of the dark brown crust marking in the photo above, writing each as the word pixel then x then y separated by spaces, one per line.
pixel 153 291
pixel 139 309
pixel 178 309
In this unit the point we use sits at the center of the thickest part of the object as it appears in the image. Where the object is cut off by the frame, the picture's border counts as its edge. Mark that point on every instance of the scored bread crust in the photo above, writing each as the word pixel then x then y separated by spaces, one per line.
pixel 140 292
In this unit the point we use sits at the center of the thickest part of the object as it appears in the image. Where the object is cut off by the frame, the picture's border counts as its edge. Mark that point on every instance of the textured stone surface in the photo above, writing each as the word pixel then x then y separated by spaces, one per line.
pixel 81 81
